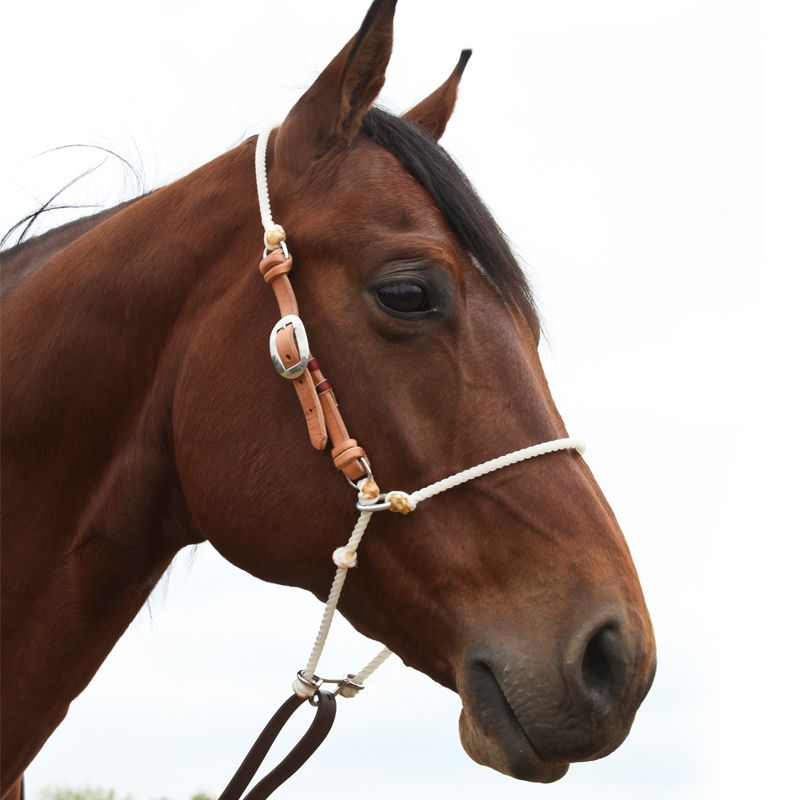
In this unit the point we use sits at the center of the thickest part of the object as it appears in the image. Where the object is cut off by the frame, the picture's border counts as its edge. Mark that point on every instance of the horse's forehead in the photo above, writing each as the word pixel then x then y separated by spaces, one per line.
pixel 369 197
pixel 370 173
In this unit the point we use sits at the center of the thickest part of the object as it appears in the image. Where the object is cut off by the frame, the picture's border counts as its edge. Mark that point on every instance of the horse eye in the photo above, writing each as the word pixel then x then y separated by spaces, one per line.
pixel 404 297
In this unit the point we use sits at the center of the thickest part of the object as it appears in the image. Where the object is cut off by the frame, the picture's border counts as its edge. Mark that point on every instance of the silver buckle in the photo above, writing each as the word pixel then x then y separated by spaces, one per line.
pixel 296 370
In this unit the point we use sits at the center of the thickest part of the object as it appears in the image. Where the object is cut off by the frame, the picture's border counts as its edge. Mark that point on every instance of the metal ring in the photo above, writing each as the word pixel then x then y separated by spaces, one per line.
pixel 283 247
pixel 317 683
pixel 382 504
pixel 348 681
pixel 367 472
pixel 313 682
pixel 300 336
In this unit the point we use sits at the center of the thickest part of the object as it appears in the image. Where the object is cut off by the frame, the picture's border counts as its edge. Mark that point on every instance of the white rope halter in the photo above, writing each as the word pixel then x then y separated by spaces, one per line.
pixel 370 500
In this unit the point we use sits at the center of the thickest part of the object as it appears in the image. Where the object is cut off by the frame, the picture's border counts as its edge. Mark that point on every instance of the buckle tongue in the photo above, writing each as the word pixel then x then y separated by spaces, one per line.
pixel 300 336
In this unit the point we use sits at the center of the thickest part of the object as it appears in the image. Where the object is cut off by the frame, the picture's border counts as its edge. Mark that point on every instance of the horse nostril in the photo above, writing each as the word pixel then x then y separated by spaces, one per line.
pixel 601 667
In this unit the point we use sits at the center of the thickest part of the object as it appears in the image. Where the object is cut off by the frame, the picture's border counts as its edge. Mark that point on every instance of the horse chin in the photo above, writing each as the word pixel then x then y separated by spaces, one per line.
pixel 501 743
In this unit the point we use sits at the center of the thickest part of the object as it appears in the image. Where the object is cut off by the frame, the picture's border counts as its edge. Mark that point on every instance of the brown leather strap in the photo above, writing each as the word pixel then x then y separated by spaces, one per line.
pixel 284 293
pixel 300 753
pixel 315 392
pixel 275 268
pixel 304 386
pixel 345 450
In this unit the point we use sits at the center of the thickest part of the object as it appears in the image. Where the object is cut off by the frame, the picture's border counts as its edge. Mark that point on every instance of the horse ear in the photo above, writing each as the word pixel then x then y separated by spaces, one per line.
pixel 331 110
pixel 433 113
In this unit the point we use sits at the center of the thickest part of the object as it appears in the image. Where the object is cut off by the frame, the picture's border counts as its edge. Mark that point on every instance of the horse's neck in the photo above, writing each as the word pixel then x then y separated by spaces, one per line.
pixel 92 509
pixel 21 261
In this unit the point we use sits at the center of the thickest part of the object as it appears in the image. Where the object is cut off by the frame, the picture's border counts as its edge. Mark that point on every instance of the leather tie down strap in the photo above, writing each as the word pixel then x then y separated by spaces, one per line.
pixel 315 393
pixel 300 753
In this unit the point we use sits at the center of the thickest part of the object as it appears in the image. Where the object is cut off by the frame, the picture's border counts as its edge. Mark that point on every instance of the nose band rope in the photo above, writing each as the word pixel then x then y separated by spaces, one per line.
pixel 347 455
pixel 345 557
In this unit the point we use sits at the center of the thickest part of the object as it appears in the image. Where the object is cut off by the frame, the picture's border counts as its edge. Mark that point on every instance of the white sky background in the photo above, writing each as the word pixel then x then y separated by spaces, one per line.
pixel 621 147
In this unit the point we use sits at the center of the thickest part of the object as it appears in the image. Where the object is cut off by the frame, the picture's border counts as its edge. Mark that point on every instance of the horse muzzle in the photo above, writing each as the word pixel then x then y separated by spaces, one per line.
pixel 530 712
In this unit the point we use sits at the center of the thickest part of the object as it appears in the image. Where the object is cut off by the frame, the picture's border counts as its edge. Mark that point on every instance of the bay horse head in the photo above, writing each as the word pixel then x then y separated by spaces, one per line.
pixel 516 590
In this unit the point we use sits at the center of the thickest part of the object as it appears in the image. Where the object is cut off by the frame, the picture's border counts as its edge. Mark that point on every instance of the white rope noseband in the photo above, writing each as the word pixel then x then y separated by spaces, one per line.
pixel 345 557
pixel 370 500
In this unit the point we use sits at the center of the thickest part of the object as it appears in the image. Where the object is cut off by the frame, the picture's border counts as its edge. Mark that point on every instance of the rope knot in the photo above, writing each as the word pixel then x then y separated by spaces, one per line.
pixel 303 687
pixel 344 558
pixel 368 491
pixel 400 502
pixel 274 236
pixel 350 686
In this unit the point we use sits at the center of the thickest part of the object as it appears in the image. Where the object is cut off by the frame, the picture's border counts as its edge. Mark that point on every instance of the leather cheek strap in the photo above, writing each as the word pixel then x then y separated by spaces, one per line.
pixel 345 450
pixel 315 392
pixel 275 268
pixel 304 386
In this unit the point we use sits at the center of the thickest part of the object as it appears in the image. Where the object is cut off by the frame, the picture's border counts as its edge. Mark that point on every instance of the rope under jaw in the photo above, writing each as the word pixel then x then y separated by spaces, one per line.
pixel 370 499
pixel 306 684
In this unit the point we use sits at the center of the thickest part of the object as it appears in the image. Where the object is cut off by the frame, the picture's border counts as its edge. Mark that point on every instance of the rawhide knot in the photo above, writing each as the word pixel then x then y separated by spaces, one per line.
pixel 274 236
pixel 400 502
pixel 344 558
pixel 368 491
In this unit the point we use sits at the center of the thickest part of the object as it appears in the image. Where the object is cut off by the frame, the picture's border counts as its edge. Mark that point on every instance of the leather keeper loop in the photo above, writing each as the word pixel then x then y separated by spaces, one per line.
pixel 347 455
pixel 271 268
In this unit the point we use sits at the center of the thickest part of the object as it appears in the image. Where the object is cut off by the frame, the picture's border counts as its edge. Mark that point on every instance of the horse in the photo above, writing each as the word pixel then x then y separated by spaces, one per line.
pixel 141 416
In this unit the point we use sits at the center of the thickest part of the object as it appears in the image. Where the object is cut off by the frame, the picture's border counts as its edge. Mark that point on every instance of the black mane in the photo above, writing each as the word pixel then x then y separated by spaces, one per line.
pixel 456 198
pixel 28 221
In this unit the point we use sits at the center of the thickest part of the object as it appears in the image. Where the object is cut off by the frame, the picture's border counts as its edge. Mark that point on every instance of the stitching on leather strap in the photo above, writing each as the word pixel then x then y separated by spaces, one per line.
pixel 324 386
